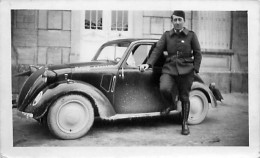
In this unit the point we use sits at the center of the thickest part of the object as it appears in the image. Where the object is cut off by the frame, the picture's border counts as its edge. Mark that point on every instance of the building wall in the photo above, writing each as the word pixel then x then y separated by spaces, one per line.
pixel 239 79
pixel 43 37
pixel 39 37
pixel 24 43
pixel 240 42
pixel 236 79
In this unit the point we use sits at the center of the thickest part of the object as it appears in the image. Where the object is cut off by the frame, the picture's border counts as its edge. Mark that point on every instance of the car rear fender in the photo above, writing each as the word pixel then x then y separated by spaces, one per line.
pixel 202 87
pixel 100 103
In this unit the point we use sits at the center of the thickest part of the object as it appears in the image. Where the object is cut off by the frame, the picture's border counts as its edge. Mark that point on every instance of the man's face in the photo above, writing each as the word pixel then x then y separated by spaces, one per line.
pixel 177 22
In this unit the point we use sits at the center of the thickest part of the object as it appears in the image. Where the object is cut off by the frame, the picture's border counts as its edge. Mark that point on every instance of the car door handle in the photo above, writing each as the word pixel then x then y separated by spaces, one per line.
pixel 122 73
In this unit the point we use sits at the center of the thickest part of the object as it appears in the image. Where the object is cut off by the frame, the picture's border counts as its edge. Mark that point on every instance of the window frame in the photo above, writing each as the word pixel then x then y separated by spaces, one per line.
pixel 96 20
pixel 133 47
pixel 116 28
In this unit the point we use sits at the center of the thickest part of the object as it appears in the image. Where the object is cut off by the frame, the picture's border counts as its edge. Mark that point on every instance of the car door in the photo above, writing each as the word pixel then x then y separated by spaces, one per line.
pixel 136 91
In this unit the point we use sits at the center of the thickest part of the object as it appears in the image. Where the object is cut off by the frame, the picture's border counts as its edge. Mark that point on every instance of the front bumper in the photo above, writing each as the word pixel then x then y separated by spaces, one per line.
pixel 24 114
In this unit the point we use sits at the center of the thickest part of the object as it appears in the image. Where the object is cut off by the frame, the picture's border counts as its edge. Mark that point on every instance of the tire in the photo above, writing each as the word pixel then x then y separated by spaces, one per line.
pixel 70 117
pixel 199 107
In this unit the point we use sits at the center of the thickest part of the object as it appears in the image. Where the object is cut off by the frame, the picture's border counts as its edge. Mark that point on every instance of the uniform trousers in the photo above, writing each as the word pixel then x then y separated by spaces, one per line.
pixel 173 85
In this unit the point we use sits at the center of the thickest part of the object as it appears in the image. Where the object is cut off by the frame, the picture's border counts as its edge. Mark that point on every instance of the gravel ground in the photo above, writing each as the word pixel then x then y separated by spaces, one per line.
pixel 226 125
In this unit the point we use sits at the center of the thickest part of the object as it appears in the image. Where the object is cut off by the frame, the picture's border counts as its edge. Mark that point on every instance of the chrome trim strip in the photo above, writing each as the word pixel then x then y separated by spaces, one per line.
pixel 113 84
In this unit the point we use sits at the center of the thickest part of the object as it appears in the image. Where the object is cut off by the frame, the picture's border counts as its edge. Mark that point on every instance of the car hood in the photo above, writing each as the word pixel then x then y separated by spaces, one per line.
pixel 35 82
pixel 83 64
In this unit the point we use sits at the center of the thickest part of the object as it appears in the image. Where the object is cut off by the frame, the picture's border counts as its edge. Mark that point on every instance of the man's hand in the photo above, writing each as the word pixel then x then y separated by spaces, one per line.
pixel 143 67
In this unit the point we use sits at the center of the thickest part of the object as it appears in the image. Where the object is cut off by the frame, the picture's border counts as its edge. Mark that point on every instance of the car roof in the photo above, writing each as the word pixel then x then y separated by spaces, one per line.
pixel 130 40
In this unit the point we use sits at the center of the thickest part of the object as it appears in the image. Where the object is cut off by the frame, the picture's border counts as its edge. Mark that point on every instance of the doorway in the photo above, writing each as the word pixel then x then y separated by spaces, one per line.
pixel 100 26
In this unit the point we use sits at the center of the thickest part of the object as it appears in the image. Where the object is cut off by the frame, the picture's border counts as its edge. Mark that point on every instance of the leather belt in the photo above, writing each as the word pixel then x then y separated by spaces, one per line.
pixel 178 55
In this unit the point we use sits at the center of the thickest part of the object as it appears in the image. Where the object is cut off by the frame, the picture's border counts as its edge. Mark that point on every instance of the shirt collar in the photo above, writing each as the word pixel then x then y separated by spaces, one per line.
pixel 184 30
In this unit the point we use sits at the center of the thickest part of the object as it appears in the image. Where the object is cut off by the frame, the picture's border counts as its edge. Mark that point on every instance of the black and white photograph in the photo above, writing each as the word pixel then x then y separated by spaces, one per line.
pixel 129 78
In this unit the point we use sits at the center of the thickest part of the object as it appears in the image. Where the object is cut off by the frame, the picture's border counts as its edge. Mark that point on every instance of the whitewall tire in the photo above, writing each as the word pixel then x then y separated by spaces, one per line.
pixel 199 107
pixel 70 117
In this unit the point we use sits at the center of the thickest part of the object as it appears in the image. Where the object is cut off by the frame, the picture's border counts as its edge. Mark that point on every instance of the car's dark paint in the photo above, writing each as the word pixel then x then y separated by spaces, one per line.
pixel 138 92
pixel 113 88
pixel 97 76
pixel 32 87
pixel 28 93
pixel 100 102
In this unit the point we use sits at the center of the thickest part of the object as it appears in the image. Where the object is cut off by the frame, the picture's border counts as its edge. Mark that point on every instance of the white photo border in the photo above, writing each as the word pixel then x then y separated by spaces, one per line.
pixel 6 146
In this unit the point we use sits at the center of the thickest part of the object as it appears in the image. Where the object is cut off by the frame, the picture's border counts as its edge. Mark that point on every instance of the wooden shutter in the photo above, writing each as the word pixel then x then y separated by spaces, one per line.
pixel 213 29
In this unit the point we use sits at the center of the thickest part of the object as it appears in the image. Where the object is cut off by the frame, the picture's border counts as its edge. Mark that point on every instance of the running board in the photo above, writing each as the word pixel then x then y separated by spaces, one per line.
pixel 137 115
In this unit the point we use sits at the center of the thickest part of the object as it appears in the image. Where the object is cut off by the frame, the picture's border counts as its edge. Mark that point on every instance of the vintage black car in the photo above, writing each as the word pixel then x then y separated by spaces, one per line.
pixel 68 97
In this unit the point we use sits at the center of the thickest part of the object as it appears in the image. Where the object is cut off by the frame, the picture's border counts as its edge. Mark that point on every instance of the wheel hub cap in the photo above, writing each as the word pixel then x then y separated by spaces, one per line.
pixel 72 116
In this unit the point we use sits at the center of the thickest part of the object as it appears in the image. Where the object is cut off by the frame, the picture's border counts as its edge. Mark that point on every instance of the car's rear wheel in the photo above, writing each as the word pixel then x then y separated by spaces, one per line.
pixel 70 117
pixel 199 107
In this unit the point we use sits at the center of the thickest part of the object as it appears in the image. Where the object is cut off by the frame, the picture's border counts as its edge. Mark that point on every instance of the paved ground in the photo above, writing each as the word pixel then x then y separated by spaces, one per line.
pixel 226 125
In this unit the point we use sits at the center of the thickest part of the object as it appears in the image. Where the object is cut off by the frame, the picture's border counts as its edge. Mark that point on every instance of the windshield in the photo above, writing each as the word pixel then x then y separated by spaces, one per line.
pixel 112 52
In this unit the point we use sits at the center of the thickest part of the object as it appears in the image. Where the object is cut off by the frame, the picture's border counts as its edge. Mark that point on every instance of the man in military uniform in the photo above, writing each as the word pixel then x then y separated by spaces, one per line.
pixel 182 59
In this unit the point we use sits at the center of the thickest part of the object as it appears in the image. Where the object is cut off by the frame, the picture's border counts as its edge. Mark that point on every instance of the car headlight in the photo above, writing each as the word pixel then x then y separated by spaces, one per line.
pixel 37 99
pixel 49 76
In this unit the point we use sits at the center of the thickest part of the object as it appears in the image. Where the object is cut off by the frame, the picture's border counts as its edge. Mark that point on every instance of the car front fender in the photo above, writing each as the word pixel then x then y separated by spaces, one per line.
pixel 52 93
pixel 206 91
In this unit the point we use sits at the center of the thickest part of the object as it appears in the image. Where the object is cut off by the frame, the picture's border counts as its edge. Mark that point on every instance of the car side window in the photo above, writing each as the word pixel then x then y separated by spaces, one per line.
pixel 138 55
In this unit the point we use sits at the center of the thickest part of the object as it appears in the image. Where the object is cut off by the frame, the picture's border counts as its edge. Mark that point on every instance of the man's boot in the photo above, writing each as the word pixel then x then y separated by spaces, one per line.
pixel 185 115
pixel 167 110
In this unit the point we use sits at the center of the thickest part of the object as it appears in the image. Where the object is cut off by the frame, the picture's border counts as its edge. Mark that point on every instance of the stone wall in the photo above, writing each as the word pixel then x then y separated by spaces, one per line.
pixel 227 82
pixel 240 41
pixel 39 37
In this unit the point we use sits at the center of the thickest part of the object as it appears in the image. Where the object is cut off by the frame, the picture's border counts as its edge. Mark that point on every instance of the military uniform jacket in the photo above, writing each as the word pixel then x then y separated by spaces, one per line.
pixel 184 54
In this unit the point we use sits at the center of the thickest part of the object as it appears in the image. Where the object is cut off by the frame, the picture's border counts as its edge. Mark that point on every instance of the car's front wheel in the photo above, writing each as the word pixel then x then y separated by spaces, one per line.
pixel 70 117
